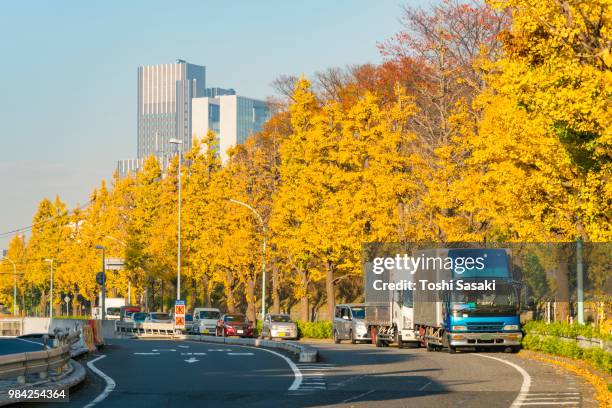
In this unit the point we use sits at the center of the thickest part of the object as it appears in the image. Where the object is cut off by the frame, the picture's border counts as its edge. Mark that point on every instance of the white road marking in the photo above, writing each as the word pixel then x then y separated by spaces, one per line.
pixel 199 354
pixel 33 342
pixel 146 354
pixel 358 396
pixel 183 346
pixel 425 386
pixel 549 403
pixel 520 398
pixel 110 383
pixel 239 354
pixel 192 360
pixel 164 350
pixel 219 350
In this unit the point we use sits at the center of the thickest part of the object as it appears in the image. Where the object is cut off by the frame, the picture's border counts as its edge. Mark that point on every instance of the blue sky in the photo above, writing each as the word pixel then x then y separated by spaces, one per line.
pixel 68 74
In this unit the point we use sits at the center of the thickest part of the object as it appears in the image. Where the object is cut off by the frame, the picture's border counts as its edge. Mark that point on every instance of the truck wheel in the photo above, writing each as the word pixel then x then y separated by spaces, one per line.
pixel 336 338
pixel 430 347
pixel 379 343
pixel 452 349
pixel 400 343
pixel 352 337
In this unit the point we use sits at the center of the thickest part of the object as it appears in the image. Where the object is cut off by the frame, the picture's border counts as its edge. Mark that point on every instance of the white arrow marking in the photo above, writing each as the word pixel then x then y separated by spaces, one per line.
pixel 192 360
pixel 239 354
pixel 146 354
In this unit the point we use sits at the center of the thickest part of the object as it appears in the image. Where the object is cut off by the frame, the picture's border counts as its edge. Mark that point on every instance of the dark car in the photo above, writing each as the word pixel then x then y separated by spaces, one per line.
pixel 235 325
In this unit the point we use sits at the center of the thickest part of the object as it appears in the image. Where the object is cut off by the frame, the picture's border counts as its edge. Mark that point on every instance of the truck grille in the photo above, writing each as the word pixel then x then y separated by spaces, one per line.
pixel 486 326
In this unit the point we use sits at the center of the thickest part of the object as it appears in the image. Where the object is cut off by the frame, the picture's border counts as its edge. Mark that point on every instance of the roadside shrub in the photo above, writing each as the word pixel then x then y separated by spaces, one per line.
pixel 566 330
pixel 315 330
pixel 553 345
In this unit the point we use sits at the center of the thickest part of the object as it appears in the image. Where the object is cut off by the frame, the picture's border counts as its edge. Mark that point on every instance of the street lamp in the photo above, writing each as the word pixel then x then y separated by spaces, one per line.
pixel 51 289
pixel 263 262
pixel 103 280
pixel 14 285
pixel 179 144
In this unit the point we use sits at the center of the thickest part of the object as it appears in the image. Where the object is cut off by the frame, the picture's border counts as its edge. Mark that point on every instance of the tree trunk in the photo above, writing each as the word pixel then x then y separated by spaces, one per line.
pixel 251 313
pixel 275 289
pixel 329 290
pixel 304 298
pixel 43 303
pixel 229 293
pixel 562 308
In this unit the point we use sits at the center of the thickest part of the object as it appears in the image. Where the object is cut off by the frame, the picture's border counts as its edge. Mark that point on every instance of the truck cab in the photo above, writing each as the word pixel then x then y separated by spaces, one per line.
pixel 205 320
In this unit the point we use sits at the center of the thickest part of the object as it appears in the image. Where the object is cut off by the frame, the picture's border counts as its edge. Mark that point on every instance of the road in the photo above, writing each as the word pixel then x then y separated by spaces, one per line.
pixel 16 345
pixel 155 373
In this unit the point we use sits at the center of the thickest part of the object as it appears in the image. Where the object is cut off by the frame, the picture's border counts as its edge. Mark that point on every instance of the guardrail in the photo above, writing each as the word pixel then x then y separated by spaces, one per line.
pixel 54 360
pixel 145 329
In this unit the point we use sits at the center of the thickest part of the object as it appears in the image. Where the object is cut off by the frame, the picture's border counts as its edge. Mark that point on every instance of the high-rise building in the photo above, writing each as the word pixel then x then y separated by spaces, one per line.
pixel 165 92
pixel 174 103
pixel 233 118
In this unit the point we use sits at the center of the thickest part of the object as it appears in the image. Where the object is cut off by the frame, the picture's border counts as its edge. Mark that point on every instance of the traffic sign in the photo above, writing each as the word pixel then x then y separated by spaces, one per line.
pixel 101 278
pixel 114 264
pixel 179 314
pixel 67 299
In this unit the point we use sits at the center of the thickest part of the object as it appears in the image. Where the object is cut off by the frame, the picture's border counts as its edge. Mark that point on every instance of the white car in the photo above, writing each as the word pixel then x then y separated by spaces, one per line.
pixel 205 320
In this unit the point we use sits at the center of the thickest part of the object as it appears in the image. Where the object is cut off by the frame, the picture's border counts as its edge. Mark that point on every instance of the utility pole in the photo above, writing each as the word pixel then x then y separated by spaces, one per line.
pixel 103 280
pixel 580 280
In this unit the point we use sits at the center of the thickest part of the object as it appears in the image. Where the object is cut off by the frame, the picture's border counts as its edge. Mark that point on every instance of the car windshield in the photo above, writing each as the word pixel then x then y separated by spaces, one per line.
pixel 209 314
pixel 160 316
pixel 504 299
pixel 280 318
pixel 235 318
pixel 358 312
pixel 139 316
pixel 113 311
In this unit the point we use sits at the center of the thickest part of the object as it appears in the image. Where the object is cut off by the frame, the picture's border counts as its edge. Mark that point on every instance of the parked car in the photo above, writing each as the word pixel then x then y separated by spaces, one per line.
pixel 188 322
pixel 158 317
pixel 205 320
pixel 234 325
pixel 125 312
pixel 279 326
pixel 139 317
pixel 349 323
pixel 113 313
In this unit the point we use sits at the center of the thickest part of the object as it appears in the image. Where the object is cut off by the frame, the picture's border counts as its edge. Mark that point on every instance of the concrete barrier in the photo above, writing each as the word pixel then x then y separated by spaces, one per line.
pixel 306 354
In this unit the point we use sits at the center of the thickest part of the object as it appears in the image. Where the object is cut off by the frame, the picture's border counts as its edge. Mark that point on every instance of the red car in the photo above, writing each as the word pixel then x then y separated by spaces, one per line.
pixel 234 325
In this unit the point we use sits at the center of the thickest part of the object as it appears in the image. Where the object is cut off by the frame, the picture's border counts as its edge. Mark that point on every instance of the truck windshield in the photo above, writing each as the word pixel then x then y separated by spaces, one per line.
pixel 358 312
pixel 479 263
pixel 209 314
pixel 503 301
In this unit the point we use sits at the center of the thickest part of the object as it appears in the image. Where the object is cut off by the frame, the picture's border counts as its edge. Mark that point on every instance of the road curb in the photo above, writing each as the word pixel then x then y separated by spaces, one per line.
pixel 66 381
pixel 306 353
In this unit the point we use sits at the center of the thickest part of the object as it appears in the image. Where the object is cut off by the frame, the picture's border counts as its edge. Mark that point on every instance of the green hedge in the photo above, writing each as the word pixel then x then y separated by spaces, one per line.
pixel 315 330
pixel 309 330
pixel 535 340
pixel 566 330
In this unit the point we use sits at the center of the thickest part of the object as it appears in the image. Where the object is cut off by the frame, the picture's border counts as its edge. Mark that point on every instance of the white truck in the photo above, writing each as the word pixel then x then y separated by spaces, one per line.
pixel 389 314
pixel 113 308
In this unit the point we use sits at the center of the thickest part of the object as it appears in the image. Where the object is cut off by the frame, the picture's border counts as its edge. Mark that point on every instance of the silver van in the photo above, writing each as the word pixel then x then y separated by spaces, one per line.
pixel 349 323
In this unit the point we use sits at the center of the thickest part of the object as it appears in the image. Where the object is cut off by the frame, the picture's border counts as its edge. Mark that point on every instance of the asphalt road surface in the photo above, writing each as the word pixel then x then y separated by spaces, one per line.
pixel 164 373
pixel 15 345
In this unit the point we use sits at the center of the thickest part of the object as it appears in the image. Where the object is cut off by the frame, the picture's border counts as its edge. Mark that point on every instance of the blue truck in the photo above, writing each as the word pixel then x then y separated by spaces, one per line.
pixel 466 298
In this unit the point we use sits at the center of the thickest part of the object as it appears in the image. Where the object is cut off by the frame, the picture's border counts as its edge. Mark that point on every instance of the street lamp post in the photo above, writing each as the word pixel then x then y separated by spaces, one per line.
pixel 50 260
pixel 103 280
pixel 263 262
pixel 179 144
pixel 14 284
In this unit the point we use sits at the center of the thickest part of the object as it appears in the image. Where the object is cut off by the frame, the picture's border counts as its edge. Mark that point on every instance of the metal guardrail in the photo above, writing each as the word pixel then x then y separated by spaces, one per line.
pixel 19 365
pixel 145 329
